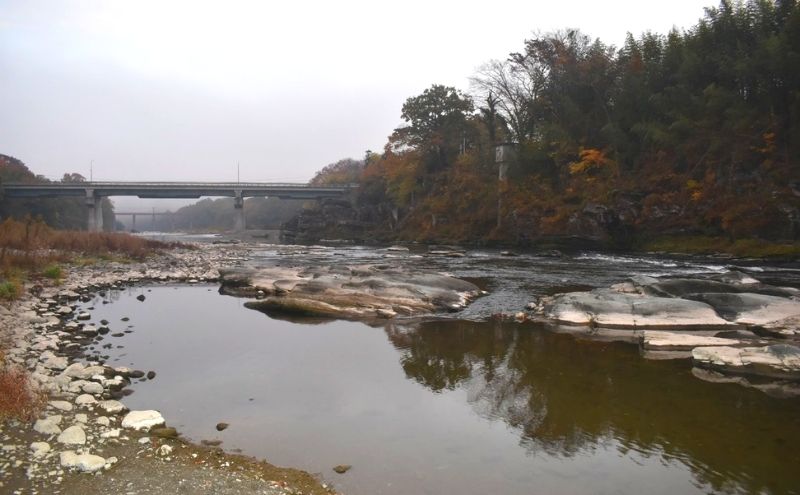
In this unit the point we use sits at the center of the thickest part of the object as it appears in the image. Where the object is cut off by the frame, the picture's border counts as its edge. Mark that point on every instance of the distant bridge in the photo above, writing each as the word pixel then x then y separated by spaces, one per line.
pixel 93 192
pixel 152 214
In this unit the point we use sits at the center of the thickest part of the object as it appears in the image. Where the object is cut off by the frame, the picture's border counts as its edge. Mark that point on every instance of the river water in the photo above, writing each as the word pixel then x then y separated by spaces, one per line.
pixel 461 404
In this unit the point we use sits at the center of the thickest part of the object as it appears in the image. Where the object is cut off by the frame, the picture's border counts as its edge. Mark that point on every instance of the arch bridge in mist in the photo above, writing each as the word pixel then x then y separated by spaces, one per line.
pixel 93 192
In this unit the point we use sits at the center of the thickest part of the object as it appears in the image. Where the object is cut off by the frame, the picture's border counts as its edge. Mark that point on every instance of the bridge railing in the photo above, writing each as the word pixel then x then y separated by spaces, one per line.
pixel 235 185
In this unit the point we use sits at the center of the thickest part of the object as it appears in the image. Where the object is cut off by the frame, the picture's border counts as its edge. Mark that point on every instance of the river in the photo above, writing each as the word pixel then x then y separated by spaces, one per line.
pixel 457 404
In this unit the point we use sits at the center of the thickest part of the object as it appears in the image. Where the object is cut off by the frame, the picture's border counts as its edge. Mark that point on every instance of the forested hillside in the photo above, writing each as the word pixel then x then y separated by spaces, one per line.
pixel 684 133
pixel 61 213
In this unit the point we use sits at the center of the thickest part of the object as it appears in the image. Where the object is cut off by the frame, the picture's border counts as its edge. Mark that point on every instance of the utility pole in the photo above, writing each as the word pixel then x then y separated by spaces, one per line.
pixel 91 170
pixel 503 155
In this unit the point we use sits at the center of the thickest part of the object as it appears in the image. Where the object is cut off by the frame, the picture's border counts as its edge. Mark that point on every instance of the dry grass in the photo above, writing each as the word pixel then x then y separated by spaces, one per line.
pixel 27 247
pixel 18 400
pixel 753 248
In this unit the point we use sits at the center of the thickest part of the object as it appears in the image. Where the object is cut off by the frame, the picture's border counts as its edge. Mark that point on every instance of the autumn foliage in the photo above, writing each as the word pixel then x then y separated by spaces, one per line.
pixel 688 133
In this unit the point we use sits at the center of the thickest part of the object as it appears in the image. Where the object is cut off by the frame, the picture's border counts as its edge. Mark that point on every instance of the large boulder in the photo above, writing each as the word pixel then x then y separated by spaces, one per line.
pixel 355 292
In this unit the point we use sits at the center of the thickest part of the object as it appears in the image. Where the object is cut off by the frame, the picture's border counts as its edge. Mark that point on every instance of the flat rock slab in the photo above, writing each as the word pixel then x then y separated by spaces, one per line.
pixel 351 292
pixel 609 308
pixel 779 360
pixel 752 309
pixel 674 341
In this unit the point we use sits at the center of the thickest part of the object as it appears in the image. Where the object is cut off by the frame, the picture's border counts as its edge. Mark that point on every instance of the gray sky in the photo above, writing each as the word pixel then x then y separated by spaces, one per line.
pixel 182 90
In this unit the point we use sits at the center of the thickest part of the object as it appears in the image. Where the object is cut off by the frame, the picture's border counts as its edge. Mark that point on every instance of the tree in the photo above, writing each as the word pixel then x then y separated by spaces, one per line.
pixel 437 124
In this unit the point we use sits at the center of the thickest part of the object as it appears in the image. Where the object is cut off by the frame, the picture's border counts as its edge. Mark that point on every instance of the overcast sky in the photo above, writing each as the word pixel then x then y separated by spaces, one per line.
pixel 183 90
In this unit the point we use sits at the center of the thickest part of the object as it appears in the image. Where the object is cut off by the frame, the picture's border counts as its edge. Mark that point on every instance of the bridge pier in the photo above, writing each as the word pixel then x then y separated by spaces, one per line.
pixel 94 206
pixel 238 213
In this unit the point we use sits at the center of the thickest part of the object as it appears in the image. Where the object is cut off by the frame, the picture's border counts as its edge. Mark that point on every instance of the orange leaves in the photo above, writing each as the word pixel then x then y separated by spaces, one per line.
pixel 695 189
pixel 591 160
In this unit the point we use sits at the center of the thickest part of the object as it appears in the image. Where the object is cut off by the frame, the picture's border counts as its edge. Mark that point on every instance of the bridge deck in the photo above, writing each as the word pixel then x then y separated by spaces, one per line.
pixel 173 189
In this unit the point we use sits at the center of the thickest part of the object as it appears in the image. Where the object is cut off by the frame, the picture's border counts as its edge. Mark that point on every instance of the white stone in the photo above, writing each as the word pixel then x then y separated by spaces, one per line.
pixel 111 433
pixel 92 388
pixel 81 418
pixel 74 435
pixel 87 463
pixel 54 362
pixel 40 448
pixel 90 329
pixel 141 420
pixel 47 427
pixel 85 399
pixel 112 406
pixel 77 386
pixel 75 370
pixel 69 294
pixel 63 381
pixel 102 421
pixel 61 405
pixel 78 370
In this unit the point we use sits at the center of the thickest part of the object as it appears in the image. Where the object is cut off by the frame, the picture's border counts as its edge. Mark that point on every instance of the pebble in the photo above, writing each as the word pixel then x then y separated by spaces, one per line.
pixel 342 468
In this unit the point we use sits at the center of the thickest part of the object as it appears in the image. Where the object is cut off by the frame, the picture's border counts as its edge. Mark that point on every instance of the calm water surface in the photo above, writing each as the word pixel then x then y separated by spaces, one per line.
pixel 449 406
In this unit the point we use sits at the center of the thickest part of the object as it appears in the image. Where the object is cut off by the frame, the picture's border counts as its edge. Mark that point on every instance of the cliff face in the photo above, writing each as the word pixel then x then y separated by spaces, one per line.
pixel 329 219
pixel 624 222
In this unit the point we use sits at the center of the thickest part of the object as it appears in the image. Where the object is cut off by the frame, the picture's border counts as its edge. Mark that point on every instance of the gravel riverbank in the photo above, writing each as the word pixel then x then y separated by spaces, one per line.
pixel 85 440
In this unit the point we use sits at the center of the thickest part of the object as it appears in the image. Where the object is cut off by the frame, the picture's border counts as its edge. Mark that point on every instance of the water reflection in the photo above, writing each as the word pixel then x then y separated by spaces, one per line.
pixel 565 397
pixel 445 406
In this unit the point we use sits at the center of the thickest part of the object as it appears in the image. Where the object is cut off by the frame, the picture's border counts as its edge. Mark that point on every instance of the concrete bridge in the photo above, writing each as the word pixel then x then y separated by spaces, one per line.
pixel 93 192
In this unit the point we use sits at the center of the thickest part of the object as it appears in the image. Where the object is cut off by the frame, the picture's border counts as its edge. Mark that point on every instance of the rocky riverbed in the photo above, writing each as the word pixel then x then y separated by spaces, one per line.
pixel 733 328
pixel 86 439
pixel 727 324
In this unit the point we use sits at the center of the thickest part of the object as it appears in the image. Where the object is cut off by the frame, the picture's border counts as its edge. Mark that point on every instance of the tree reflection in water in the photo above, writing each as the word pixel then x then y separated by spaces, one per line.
pixel 566 396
